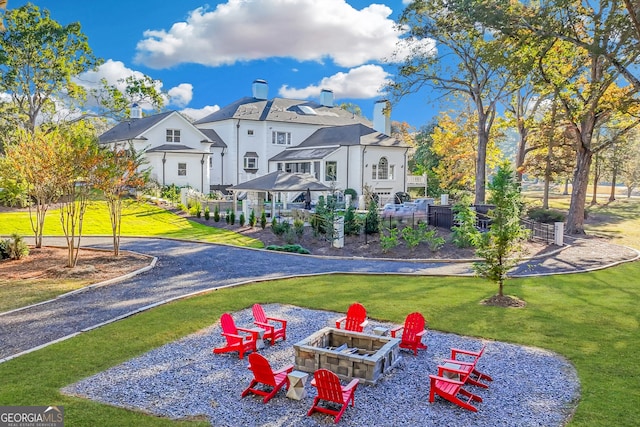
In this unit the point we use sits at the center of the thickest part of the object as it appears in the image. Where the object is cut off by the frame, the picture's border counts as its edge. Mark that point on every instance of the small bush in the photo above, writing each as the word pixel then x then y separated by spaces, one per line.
pixel 298 227
pixel 465 232
pixel 242 220
pixel 547 216
pixel 263 220
pixel 289 248
pixel 13 248
pixel 232 218
pixel 389 242
pixel 207 213
pixel 412 237
pixel 216 214
pixel 182 207
pixel 227 216
pixel 280 228
pixel 252 219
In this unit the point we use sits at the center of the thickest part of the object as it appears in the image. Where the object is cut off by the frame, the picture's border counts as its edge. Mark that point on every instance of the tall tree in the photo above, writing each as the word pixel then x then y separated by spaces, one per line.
pixel 463 65
pixel 424 160
pixel 38 58
pixel 603 49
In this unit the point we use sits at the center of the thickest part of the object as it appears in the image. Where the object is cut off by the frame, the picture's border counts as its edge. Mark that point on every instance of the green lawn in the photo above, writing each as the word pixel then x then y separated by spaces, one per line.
pixel 592 319
pixel 138 219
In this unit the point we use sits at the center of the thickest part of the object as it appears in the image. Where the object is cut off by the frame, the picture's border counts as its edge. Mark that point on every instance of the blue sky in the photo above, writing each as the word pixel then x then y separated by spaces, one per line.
pixel 207 54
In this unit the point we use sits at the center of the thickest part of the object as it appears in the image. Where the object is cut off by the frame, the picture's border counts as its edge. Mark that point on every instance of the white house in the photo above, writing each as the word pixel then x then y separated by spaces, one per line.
pixel 254 136
pixel 342 150
pixel 176 151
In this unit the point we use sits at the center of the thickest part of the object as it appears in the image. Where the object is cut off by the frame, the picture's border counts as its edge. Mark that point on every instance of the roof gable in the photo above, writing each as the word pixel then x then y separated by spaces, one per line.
pixel 357 134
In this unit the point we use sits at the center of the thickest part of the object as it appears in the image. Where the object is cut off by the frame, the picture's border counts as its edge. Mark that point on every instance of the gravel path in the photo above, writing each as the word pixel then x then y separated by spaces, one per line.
pixel 183 379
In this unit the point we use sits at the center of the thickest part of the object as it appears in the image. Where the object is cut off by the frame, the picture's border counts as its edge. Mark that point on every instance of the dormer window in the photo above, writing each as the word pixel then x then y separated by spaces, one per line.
pixel 173 135
pixel 251 161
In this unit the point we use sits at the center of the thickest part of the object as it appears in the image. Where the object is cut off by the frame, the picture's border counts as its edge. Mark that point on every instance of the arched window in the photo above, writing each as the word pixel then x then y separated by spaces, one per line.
pixel 381 170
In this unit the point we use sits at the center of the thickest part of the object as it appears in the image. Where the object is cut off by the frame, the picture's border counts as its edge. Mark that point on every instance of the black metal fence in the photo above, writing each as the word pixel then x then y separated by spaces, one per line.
pixel 540 230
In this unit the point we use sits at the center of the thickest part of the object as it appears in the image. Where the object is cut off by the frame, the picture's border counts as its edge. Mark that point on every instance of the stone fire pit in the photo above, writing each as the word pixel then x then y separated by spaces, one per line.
pixel 348 354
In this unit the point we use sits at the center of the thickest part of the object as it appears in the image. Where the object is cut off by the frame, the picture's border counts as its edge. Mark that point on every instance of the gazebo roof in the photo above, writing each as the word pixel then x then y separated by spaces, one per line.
pixel 281 181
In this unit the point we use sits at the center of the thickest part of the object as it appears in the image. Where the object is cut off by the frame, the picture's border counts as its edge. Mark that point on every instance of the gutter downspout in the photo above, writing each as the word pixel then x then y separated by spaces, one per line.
pixel 202 173
pixel 364 150
pixel 164 160
pixel 238 152
pixel 406 171
pixel 348 152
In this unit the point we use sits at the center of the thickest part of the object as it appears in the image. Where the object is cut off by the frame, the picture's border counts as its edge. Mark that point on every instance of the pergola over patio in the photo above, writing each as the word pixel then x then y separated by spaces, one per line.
pixel 279 182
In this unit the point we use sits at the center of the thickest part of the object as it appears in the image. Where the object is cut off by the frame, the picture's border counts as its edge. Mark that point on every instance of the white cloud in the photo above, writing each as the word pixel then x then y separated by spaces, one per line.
pixel 197 114
pixel 115 73
pixel 245 30
pixel 181 95
pixel 359 83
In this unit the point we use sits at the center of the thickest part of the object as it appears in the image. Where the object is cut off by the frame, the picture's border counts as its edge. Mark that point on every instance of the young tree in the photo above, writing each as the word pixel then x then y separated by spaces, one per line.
pixel 118 170
pixel 33 158
pixel 77 160
pixel 503 241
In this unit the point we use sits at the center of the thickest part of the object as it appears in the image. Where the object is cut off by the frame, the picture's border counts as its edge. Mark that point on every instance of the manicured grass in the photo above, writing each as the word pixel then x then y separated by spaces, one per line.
pixel 592 319
pixel 138 219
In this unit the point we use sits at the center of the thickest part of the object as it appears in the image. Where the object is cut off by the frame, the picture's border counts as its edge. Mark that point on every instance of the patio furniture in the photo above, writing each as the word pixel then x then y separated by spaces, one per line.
pixel 450 389
pixel 271 381
pixel 330 391
pixel 355 320
pixel 412 332
pixel 274 328
pixel 468 360
pixel 236 342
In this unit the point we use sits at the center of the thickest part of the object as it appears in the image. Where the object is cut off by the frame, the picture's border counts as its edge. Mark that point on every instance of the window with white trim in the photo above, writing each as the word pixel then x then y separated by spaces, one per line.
pixel 173 135
pixel 381 170
pixel 331 171
pixel 280 138
pixel 250 162
pixel 182 169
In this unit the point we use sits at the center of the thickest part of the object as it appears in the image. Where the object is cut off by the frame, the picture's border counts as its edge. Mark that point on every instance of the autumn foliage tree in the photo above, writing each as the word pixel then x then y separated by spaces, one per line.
pixel 118 170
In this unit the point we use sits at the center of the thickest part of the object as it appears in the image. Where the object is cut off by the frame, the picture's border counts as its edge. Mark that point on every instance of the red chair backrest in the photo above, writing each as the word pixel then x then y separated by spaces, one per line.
pixel 258 314
pixel 328 385
pixel 413 324
pixel 261 369
pixel 355 316
pixel 227 324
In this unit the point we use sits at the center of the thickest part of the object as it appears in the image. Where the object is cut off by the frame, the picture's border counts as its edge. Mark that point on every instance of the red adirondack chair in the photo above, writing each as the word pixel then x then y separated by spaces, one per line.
pixel 449 389
pixel 412 332
pixel 271 331
pixel 331 391
pixel 263 374
pixel 467 366
pixel 236 342
pixel 355 320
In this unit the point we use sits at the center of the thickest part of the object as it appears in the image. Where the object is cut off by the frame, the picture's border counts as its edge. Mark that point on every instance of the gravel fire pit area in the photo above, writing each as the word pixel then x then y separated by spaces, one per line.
pixel 185 380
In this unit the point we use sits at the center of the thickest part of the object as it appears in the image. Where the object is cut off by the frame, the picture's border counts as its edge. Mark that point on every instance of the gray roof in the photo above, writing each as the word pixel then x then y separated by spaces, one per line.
pixel 213 136
pixel 282 181
pixel 306 154
pixel 132 128
pixel 356 134
pixel 284 110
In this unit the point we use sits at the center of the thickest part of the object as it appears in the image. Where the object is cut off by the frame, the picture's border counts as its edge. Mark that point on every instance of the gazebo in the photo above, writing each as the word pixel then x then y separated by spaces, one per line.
pixel 279 182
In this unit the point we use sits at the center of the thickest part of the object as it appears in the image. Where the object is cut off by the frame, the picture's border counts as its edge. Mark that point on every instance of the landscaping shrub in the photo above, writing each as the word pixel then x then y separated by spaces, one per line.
pixel 216 214
pixel 13 248
pixel 279 228
pixel 207 213
pixel 182 207
pixel 242 220
pixel 547 216
pixel 263 220
pixel 389 242
pixel 351 224
pixel 232 218
pixel 412 237
pixel 252 219
pixel 353 193
pixel 464 232
pixel 227 216
pixel 372 220
pixel 298 227
pixel 289 248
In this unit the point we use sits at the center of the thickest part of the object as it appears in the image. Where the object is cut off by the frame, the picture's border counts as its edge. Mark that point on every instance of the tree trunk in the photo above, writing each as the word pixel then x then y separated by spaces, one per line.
pixel 596 178
pixel 614 176
pixel 565 192
pixel 481 161
pixel 522 145
pixel 575 216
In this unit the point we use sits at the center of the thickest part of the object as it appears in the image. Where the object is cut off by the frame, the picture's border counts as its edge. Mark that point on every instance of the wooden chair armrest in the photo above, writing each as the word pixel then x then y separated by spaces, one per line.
pixel 455 351
pixel 450 369
pixel 234 336
pixel 254 334
pixel 354 383
pixel 421 333
pixel 459 362
pixel 275 319
pixel 286 369
pixel 365 323
pixel 340 320
pixel 264 325
pixel 395 330
pixel 447 380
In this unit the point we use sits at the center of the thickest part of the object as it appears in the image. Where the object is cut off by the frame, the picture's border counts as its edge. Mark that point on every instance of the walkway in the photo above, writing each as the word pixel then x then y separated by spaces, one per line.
pixel 185 268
